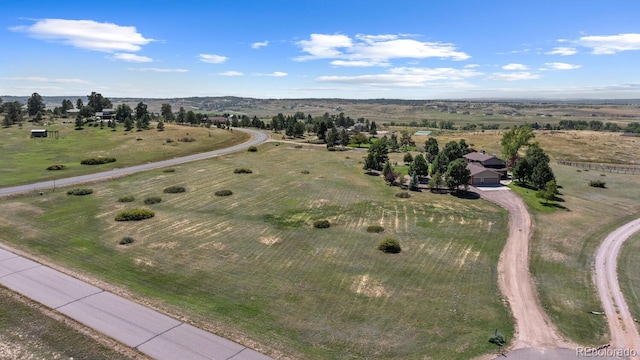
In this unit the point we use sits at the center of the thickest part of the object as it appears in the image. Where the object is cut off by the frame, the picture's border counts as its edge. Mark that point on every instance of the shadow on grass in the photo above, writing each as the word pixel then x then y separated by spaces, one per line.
pixel 555 205
pixel 469 195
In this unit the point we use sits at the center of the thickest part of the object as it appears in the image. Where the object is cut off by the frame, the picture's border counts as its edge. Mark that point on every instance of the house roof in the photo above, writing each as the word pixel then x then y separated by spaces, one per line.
pixel 478 156
pixel 479 169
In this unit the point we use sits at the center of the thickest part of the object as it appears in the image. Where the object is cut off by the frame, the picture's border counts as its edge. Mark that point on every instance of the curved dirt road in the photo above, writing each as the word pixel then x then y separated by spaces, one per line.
pixel 257 138
pixel 533 328
pixel 624 334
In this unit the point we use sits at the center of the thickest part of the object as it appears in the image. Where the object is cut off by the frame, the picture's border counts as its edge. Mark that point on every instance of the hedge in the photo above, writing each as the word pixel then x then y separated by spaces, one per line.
pixel 98 161
pixel 174 190
pixel 223 193
pixel 56 167
pixel 80 192
pixel 389 246
pixel 134 215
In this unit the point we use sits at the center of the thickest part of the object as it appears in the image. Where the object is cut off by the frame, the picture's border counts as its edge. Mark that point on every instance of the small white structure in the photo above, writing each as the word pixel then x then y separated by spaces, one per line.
pixel 38 133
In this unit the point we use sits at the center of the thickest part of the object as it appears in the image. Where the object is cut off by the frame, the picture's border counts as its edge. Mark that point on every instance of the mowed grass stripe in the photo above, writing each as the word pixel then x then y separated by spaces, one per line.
pixel 252 265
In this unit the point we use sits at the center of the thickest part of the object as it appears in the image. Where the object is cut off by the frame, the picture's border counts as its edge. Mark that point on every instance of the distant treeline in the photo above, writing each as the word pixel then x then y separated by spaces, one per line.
pixel 594 125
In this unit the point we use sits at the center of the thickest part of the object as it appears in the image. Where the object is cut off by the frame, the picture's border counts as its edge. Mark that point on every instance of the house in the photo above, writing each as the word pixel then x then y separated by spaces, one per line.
pixel 105 114
pixel 491 162
pixel 481 175
pixel 38 133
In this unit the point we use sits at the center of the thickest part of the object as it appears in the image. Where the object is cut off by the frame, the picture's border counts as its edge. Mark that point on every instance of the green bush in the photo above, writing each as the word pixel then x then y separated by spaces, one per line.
pixel 169 170
pixel 125 199
pixel 321 224
pixel 56 167
pixel 168 140
pixel 403 195
pixel 389 246
pixel 252 149
pixel 242 171
pixel 98 161
pixel 134 215
pixel 598 183
pixel 187 139
pixel 223 193
pixel 304 172
pixel 126 240
pixel 375 229
pixel 152 200
pixel 174 190
pixel 80 192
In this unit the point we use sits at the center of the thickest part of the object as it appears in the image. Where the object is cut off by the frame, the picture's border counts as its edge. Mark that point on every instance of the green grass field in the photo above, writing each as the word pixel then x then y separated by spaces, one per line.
pixel 251 266
pixel 28 333
pixel 25 160
pixel 628 267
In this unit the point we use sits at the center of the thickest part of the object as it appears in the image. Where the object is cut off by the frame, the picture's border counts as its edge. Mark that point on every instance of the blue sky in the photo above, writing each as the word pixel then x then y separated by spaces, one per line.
pixel 311 49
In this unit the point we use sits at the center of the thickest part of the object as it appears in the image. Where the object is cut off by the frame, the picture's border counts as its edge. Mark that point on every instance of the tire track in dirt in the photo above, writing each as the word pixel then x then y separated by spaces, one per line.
pixel 624 334
pixel 533 329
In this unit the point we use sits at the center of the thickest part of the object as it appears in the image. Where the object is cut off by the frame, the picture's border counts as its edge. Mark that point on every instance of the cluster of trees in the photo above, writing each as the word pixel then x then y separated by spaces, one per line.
pixel 594 125
pixel 12 113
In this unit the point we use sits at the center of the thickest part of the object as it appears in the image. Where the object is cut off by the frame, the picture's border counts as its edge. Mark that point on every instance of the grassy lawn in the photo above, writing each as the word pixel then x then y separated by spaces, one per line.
pixel 28 333
pixel 25 160
pixel 251 266
pixel 628 268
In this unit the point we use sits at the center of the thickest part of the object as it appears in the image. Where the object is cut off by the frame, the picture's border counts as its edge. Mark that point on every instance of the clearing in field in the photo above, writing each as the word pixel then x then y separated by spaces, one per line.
pixel 252 266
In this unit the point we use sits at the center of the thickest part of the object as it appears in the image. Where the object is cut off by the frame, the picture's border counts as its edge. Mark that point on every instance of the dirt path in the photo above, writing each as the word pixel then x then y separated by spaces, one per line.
pixel 533 328
pixel 624 334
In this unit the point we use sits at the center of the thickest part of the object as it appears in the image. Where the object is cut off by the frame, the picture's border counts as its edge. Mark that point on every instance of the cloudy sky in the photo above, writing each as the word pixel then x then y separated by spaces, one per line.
pixel 400 49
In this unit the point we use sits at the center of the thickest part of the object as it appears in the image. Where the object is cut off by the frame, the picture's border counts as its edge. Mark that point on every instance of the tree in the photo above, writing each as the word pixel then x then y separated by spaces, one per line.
pixel 322 130
pixel 141 110
pixel 166 112
pixel 344 137
pixel 513 140
pixel 182 115
pixel 371 163
pixel 79 122
pixel 13 113
pixel 87 112
pixel 122 112
pixel 389 175
pixel 373 128
pixel 420 166
pixel 139 124
pixel 549 191
pixel 128 123
pixel 393 143
pixel 431 148
pixel 457 174
pixel 191 117
pixel 160 125
pixel 534 167
pixel 436 181
pixel 380 153
pixel 451 152
pixel 332 137
pixel 66 105
pixel 413 184
pixel 98 102
pixel 35 104
pixel 408 158
pixel 79 104
pixel 406 140
pixel 359 138
pixel 298 129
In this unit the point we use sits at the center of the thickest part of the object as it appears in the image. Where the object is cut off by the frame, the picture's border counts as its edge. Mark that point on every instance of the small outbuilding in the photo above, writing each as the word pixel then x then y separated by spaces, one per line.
pixel 39 133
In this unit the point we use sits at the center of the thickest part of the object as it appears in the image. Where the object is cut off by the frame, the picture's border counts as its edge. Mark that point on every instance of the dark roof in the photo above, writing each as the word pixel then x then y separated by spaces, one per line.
pixel 478 169
pixel 478 156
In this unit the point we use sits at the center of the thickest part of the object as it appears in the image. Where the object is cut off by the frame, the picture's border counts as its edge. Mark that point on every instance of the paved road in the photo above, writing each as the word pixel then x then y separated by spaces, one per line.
pixel 624 334
pixel 142 328
pixel 258 137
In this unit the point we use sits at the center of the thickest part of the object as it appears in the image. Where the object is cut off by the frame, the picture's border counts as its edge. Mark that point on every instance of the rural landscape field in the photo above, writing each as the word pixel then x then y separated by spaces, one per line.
pixel 252 267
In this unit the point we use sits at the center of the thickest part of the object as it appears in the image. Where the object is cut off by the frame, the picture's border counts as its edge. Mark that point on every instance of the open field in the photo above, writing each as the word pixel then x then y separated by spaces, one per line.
pixel 29 332
pixel 25 160
pixel 251 267
pixel 628 269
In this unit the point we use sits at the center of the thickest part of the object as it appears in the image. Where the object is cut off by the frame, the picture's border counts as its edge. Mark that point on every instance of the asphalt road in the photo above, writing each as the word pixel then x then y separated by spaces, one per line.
pixel 258 137
pixel 135 325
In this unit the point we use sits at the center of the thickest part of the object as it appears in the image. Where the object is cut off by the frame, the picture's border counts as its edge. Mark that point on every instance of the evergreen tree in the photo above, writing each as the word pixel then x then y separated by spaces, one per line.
pixel 413 184
pixel 420 165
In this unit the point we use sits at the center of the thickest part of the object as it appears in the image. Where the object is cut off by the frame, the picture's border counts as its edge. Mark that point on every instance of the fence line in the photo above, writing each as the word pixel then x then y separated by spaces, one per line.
pixel 612 168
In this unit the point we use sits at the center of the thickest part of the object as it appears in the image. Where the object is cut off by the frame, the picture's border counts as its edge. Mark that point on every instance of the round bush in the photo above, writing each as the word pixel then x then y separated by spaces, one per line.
pixel 223 193
pixel 56 167
pixel 375 229
pixel 125 199
pixel 80 192
pixel 389 246
pixel 403 195
pixel 169 170
pixel 242 171
pixel 152 200
pixel 321 224
pixel 98 161
pixel 174 190
pixel 187 139
pixel 598 183
pixel 304 172
pixel 252 149
pixel 126 240
pixel 134 215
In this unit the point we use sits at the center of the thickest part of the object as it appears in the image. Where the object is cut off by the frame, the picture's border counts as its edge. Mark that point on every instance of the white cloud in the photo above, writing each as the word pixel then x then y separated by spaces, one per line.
pixel 407 77
pixel 561 66
pixel 373 49
pixel 131 58
pixel 258 45
pixel 159 70
pixel 40 79
pixel 212 58
pixel 515 67
pixel 514 76
pixel 471 66
pixel 610 44
pixel 87 34
pixel 231 73
pixel 278 74
pixel 562 50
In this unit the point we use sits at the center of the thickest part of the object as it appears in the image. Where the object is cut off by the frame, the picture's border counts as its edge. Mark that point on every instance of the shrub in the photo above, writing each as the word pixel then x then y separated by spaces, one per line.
pixel 187 139
pixel 403 195
pixel 304 172
pixel 598 183
pixel 242 171
pixel 389 246
pixel 126 240
pixel 128 198
pixel 168 140
pixel 375 229
pixel 134 215
pixel 169 170
pixel 98 161
pixel 80 192
pixel 252 149
pixel 152 200
pixel 174 190
pixel 321 224
pixel 223 193
pixel 56 167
